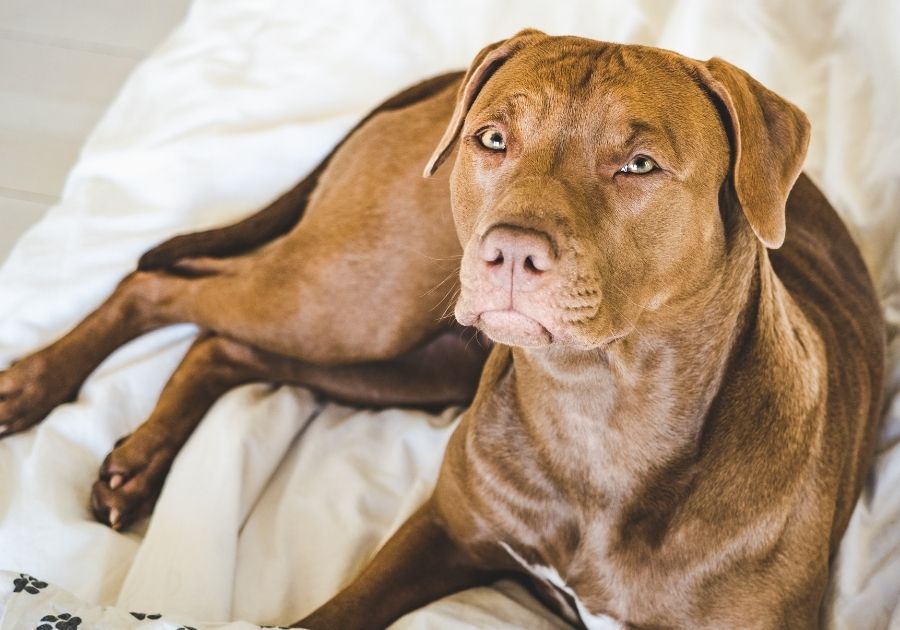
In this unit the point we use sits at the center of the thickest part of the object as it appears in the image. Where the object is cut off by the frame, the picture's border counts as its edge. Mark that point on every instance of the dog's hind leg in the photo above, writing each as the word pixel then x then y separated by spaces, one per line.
pixel 31 387
pixel 443 371
pixel 297 318
pixel 363 276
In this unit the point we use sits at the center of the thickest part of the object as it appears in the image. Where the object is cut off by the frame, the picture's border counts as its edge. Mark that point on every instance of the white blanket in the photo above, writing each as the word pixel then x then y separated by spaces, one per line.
pixel 266 514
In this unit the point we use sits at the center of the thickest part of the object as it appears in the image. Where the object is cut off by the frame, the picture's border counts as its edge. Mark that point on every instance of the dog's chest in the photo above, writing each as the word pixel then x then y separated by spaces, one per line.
pixel 549 490
pixel 526 515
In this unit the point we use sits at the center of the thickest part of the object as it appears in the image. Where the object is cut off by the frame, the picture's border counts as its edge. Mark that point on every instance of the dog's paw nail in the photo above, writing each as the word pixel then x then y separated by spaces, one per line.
pixel 114 516
pixel 114 482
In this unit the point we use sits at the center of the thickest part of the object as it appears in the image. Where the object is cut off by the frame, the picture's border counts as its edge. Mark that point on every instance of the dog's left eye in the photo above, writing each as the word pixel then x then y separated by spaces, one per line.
pixel 639 165
pixel 493 140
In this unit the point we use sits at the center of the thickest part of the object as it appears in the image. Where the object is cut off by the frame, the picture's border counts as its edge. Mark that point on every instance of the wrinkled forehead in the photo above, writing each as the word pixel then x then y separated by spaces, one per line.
pixel 587 84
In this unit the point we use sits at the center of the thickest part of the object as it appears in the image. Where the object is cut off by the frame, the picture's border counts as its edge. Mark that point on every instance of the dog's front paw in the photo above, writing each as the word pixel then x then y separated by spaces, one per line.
pixel 29 390
pixel 131 479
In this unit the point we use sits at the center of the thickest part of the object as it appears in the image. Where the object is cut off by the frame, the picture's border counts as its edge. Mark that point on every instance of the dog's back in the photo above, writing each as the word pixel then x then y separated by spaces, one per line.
pixel 823 270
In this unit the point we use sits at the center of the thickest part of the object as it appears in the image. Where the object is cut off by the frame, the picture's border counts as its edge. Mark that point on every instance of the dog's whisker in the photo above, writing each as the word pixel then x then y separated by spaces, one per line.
pixel 474 338
pixel 450 299
pixel 410 250
pixel 450 276
pixel 448 310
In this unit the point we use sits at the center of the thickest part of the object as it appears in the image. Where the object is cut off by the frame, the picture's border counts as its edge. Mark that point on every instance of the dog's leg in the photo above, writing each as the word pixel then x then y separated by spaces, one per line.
pixel 31 387
pixel 419 564
pixel 442 372
pixel 132 474
pixel 359 278
pixel 263 299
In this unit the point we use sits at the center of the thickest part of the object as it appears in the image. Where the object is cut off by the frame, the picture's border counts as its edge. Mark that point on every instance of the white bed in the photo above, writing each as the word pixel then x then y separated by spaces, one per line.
pixel 266 514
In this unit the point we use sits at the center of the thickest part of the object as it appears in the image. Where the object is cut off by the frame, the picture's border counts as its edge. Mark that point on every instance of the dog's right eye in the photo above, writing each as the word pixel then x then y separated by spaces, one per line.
pixel 639 165
pixel 493 140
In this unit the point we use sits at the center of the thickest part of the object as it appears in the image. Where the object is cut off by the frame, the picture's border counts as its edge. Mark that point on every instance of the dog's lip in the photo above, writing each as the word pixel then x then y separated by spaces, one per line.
pixel 513 328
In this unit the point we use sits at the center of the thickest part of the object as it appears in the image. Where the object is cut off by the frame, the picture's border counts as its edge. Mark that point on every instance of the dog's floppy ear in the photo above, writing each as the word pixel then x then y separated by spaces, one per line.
pixel 486 63
pixel 770 138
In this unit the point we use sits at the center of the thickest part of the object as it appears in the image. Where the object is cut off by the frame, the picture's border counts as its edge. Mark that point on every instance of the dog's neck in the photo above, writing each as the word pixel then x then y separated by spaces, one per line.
pixel 642 402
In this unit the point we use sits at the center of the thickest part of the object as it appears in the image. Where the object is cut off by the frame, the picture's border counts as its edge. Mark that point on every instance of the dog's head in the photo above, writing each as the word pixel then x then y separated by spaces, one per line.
pixel 586 189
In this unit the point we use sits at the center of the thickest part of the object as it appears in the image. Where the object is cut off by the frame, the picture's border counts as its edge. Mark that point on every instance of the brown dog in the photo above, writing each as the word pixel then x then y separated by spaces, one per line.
pixel 675 424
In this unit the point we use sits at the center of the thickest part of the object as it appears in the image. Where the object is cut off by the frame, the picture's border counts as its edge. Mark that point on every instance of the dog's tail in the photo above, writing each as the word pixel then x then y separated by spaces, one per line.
pixel 269 223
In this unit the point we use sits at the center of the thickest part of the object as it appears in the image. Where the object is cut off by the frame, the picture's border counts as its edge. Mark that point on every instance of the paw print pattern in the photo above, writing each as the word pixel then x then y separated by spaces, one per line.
pixel 64 621
pixel 142 616
pixel 28 584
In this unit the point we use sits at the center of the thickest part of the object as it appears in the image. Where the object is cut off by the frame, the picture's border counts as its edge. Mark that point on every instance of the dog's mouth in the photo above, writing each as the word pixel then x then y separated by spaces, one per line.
pixel 513 328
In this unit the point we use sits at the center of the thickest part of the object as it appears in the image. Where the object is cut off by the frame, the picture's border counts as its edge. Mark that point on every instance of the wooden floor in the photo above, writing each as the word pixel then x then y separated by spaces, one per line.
pixel 61 64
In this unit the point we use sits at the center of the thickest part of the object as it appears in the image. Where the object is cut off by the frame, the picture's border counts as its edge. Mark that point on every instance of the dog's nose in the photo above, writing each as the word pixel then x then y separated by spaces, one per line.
pixel 522 256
